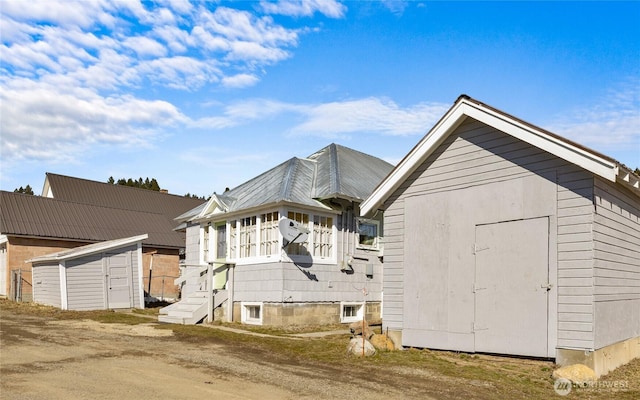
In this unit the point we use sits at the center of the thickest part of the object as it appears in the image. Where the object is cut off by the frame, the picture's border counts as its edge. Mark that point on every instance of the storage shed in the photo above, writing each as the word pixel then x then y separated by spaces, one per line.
pixel 502 237
pixel 105 275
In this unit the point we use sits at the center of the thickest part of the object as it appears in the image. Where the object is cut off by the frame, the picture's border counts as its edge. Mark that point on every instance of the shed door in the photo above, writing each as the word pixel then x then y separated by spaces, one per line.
pixel 3 269
pixel 119 280
pixel 511 295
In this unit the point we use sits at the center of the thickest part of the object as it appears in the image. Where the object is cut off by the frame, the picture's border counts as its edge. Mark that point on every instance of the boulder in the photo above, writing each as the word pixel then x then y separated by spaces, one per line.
pixel 382 342
pixel 578 374
pixel 356 329
pixel 355 347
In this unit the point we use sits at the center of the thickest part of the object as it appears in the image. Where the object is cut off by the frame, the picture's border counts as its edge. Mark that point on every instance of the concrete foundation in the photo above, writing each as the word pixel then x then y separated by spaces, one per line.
pixel 297 314
pixel 603 360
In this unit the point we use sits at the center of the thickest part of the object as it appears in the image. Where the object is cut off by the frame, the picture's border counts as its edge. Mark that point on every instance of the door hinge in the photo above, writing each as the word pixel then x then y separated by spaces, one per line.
pixel 547 286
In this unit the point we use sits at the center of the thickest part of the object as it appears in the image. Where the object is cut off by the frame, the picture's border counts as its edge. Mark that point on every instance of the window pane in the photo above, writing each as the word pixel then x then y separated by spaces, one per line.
pixel 298 248
pixel 368 233
pixel 269 234
pixel 221 247
pixel 322 236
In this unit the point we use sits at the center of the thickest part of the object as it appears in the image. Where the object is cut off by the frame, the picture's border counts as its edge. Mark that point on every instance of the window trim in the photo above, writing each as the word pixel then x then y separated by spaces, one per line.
pixel 376 241
pixel 359 314
pixel 280 256
pixel 245 317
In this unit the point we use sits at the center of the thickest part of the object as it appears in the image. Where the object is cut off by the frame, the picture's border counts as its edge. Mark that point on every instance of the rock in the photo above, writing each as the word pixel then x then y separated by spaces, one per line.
pixel 578 374
pixel 355 347
pixel 356 329
pixel 382 342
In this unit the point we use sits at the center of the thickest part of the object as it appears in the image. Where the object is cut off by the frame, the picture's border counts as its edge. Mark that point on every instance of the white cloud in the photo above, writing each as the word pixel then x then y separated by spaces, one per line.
pixel 40 122
pixel 145 47
pixel 369 115
pixel 305 8
pixel 611 125
pixel 240 80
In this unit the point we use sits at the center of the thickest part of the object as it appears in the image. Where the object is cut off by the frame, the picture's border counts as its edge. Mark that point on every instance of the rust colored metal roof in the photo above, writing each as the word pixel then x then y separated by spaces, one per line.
pixel 92 211
pixel 102 194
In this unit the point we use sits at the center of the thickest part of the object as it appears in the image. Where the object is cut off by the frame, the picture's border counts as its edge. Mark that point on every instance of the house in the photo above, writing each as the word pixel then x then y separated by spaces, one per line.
pixel 74 212
pixel 98 276
pixel 502 237
pixel 240 268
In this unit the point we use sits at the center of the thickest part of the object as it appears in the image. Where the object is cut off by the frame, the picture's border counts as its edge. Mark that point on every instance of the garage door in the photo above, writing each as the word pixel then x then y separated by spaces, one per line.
pixel 511 287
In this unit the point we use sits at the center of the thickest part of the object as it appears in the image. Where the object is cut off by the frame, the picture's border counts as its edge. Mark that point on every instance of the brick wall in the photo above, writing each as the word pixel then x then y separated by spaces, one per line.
pixel 165 270
pixel 21 249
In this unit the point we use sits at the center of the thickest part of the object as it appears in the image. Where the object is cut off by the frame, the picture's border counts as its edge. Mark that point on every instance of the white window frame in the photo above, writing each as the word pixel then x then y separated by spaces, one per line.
pixel 348 319
pixel 269 234
pixel 245 312
pixel 233 239
pixel 332 258
pixel 376 241
pixel 205 243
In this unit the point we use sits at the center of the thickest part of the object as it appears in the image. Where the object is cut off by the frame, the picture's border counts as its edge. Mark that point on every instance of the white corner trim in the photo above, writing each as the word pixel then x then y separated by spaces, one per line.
pixel 64 294
pixel 140 277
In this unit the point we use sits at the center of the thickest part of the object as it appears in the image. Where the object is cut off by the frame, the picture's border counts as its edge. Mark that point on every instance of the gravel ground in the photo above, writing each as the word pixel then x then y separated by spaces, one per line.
pixel 43 358
pixel 46 357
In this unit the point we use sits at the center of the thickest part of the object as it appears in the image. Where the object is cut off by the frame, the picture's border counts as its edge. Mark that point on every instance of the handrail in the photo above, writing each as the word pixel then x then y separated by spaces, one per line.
pixel 191 274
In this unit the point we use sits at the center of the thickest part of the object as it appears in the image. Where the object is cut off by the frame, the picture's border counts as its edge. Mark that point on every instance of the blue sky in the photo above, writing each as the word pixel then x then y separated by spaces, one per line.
pixel 206 95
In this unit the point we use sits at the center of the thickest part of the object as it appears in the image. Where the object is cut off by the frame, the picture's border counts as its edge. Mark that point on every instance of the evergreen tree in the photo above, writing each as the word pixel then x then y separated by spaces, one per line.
pixel 26 190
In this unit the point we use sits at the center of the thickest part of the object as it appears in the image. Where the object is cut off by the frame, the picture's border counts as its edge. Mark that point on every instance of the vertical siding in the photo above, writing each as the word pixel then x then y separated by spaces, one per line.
pixel 46 284
pixel 86 283
pixel 477 155
pixel 617 264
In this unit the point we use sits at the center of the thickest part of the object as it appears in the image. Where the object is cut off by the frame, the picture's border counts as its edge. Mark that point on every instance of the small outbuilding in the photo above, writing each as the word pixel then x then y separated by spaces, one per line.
pixel 99 276
pixel 502 237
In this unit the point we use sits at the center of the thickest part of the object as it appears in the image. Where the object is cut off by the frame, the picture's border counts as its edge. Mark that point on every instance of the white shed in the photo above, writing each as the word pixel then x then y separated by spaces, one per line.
pixel 502 237
pixel 99 276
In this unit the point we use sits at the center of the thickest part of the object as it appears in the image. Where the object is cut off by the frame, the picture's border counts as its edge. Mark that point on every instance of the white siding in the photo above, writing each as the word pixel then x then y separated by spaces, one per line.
pixel 46 284
pixel 86 283
pixel 477 155
pixel 575 258
pixel 617 264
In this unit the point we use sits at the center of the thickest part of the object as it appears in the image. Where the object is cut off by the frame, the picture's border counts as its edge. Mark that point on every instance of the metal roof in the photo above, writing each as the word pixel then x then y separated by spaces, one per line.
pixel 85 191
pixel 36 216
pixel 332 172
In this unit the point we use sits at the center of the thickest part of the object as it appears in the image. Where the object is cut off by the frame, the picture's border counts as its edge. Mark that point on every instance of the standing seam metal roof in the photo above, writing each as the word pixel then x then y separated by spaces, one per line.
pixel 332 172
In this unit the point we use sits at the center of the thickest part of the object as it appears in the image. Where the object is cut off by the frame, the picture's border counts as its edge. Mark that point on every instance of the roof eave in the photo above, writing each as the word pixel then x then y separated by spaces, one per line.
pixel 89 249
pixel 467 107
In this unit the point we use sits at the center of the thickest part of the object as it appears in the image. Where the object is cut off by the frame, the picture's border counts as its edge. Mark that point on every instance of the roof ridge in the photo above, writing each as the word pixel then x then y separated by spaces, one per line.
pixel 125 187
pixel 55 200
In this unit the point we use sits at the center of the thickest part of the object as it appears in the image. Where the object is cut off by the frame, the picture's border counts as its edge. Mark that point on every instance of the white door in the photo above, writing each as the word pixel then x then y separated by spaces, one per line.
pixel 119 289
pixel 511 287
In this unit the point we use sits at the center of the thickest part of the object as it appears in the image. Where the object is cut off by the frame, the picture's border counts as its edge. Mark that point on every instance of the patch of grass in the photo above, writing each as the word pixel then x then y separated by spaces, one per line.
pixel 478 376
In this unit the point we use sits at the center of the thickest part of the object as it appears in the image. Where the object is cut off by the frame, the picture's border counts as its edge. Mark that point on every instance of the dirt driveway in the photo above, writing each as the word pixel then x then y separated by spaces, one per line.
pixel 44 357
